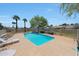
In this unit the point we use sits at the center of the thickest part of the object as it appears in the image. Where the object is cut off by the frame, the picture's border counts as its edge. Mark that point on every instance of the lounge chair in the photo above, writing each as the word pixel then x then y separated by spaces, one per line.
pixel 1 40
pixel 11 41
pixel 8 52
pixel 3 35
pixel 7 42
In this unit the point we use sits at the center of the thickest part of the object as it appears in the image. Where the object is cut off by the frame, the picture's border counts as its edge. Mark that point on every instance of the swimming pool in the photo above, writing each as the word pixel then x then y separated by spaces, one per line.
pixel 37 39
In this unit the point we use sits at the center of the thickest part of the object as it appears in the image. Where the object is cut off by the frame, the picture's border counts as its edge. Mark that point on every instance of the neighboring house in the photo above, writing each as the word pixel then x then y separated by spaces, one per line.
pixel 58 27
pixel 69 27
pixel 65 27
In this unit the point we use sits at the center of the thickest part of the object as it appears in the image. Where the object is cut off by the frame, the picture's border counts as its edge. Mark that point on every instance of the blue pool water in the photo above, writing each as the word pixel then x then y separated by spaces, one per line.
pixel 37 39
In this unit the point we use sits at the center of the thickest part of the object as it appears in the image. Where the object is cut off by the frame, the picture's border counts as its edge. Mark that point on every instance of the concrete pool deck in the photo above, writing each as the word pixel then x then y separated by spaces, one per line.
pixel 61 46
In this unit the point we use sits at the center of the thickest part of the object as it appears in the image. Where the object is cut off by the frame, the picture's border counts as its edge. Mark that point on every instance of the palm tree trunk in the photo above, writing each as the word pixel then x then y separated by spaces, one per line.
pixel 16 25
pixel 24 26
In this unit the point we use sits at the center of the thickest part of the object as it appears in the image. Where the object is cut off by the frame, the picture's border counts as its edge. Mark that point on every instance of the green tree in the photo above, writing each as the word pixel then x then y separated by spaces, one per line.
pixel 65 24
pixel 72 24
pixel 16 18
pixel 25 20
pixel 38 21
pixel 1 26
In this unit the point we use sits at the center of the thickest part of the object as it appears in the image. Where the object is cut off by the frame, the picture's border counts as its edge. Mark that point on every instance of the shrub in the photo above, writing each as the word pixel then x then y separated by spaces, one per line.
pixel 50 32
pixel 42 31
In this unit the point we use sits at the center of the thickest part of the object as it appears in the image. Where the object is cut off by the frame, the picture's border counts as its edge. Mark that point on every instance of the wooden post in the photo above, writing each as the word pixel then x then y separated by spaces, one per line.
pixel 77 42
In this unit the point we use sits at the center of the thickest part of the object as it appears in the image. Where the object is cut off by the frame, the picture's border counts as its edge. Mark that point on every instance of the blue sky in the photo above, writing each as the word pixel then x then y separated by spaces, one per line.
pixel 49 11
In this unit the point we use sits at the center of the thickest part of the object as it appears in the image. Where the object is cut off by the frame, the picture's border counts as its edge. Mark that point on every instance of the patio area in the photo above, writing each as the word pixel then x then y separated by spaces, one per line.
pixel 61 46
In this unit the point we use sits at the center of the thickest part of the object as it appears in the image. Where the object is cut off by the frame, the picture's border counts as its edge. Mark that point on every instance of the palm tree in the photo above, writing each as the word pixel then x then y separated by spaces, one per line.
pixel 13 24
pixel 16 18
pixel 25 20
pixel 70 8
